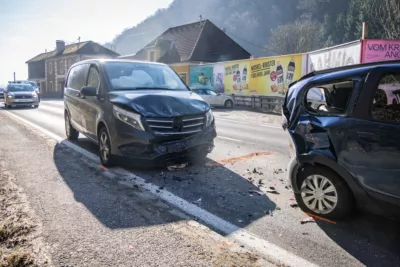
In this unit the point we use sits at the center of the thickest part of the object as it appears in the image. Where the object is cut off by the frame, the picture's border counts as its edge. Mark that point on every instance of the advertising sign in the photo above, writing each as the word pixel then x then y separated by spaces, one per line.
pixel 236 77
pixel 201 76
pixel 380 50
pixel 264 76
pixel 208 76
pixel 336 56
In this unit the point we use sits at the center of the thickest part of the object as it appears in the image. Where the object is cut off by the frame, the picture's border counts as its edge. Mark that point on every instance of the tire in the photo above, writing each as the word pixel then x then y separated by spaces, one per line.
pixel 106 158
pixel 228 104
pixel 71 133
pixel 345 201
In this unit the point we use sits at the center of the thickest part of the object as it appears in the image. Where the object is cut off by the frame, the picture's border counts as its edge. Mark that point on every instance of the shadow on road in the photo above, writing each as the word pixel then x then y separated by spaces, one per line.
pixel 373 240
pixel 211 186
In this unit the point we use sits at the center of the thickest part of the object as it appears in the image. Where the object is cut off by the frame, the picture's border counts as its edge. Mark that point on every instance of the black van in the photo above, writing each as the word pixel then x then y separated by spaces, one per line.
pixel 345 140
pixel 137 110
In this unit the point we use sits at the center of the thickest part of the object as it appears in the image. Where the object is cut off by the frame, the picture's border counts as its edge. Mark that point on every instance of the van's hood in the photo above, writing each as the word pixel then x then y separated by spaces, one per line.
pixel 160 103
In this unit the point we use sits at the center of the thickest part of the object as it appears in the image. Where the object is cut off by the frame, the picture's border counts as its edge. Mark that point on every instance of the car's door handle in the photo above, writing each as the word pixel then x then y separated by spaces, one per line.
pixel 370 137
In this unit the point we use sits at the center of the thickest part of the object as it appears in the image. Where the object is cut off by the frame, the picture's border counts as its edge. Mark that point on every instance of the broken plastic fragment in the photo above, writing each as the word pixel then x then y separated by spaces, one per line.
pixel 294 205
pixel 197 202
pixel 176 167
pixel 307 220
pixel 260 193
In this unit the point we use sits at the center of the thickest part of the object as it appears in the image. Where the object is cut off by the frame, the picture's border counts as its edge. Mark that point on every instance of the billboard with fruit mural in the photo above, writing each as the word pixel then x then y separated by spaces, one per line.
pixel 263 76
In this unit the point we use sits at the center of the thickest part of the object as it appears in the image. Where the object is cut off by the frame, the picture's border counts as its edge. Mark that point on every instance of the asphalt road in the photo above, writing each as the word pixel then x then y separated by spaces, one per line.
pixel 253 147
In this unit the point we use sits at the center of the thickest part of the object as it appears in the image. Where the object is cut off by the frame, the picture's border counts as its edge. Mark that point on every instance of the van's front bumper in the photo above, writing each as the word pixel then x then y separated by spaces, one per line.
pixel 146 146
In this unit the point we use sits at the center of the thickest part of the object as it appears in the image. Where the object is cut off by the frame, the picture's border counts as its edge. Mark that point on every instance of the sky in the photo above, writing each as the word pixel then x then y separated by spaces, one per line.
pixel 28 27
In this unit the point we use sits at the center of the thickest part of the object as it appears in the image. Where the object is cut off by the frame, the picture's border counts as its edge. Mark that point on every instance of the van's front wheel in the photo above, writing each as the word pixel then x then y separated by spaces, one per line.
pixel 70 131
pixel 107 159
pixel 324 193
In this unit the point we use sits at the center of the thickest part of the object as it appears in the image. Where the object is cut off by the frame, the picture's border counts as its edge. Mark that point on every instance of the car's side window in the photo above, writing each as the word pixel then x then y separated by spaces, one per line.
pixel 93 77
pixel 210 92
pixel 332 99
pixel 200 92
pixel 386 102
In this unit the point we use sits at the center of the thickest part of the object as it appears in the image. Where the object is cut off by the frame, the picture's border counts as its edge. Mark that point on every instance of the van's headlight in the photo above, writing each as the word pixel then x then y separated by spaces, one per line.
pixel 34 95
pixel 209 118
pixel 10 96
pixel 128 117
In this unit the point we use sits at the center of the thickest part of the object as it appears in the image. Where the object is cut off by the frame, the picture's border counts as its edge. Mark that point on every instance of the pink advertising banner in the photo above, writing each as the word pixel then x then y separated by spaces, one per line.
pixel 380 50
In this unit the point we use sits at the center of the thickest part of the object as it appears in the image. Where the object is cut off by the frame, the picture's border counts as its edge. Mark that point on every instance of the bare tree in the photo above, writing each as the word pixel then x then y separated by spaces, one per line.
pixel 299 37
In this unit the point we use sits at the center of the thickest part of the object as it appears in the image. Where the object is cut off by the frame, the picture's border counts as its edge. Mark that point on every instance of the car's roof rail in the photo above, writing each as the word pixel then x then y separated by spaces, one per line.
pixel 349 67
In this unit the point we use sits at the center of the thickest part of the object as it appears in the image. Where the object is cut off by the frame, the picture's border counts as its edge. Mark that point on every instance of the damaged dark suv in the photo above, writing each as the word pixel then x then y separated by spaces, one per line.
pixel 344 132
pixel 137 110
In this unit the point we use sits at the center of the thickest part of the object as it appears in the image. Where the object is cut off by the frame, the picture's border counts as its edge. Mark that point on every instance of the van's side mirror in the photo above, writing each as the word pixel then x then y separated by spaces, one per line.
pixel 89 91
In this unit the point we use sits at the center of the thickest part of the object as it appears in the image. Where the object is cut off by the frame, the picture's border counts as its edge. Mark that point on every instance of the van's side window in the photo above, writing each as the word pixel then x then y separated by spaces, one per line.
pixel 93 78
pixel 71 78
pixel 76 79
pixel 386 101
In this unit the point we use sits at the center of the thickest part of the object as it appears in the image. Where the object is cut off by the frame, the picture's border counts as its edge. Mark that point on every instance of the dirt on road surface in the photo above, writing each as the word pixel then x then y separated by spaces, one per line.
pixel 20 230
pixel 78 217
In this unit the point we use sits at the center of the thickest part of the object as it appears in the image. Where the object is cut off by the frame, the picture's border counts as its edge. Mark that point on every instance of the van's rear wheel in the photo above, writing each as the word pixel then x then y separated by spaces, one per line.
pixel 70 131
pixel 107 159
pixel 324 193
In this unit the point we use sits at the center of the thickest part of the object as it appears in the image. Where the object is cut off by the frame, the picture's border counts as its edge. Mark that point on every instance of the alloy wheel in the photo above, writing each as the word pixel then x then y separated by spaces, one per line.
pixel 104 147
pixel 319 194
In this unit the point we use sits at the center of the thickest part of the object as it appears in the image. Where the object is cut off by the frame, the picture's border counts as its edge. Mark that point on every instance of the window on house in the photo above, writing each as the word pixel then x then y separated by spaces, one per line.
pixel 61 67
pixel 152 55
pixel 386 101
pixel 69 62
pixel 330 98
pixel 50 67
pixel 50 87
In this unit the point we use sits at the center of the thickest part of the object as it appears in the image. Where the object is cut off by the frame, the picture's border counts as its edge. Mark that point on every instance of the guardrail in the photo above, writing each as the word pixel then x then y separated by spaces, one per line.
pixel 270 104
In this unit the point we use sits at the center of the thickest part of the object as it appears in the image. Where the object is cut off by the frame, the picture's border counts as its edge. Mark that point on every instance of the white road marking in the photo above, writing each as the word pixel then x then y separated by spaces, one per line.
pixel 231 139
pixel 275 253
pixel 245 122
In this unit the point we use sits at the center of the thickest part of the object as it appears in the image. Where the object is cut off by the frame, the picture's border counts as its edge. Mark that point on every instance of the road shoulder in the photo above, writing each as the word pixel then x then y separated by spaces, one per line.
pixel 91 221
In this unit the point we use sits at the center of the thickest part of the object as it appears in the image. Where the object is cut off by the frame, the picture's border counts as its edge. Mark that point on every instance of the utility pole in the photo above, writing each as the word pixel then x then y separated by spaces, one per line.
pixel 364 31
pixel 14 76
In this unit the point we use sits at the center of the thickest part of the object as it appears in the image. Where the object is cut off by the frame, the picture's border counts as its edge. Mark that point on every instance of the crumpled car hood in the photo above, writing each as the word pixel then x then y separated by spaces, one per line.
pixel 160 103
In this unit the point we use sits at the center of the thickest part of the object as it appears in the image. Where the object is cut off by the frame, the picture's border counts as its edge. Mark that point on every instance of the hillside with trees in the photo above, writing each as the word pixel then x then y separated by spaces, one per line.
pixel 273 27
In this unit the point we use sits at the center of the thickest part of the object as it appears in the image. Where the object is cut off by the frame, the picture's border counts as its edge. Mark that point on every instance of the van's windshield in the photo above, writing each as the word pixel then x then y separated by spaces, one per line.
pixel 139 76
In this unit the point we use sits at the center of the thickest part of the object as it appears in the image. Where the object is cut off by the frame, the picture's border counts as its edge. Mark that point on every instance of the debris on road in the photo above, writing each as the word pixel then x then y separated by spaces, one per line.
pixel 177 167
pixel 320 218
pixel 308 220
pixel 278 171
pixel 294 205
pixel 197 202
pixel 272 190
pixel 258 192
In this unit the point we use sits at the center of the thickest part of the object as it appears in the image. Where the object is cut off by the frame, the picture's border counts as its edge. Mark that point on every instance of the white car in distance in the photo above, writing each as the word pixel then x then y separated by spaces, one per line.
pixel 213 98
